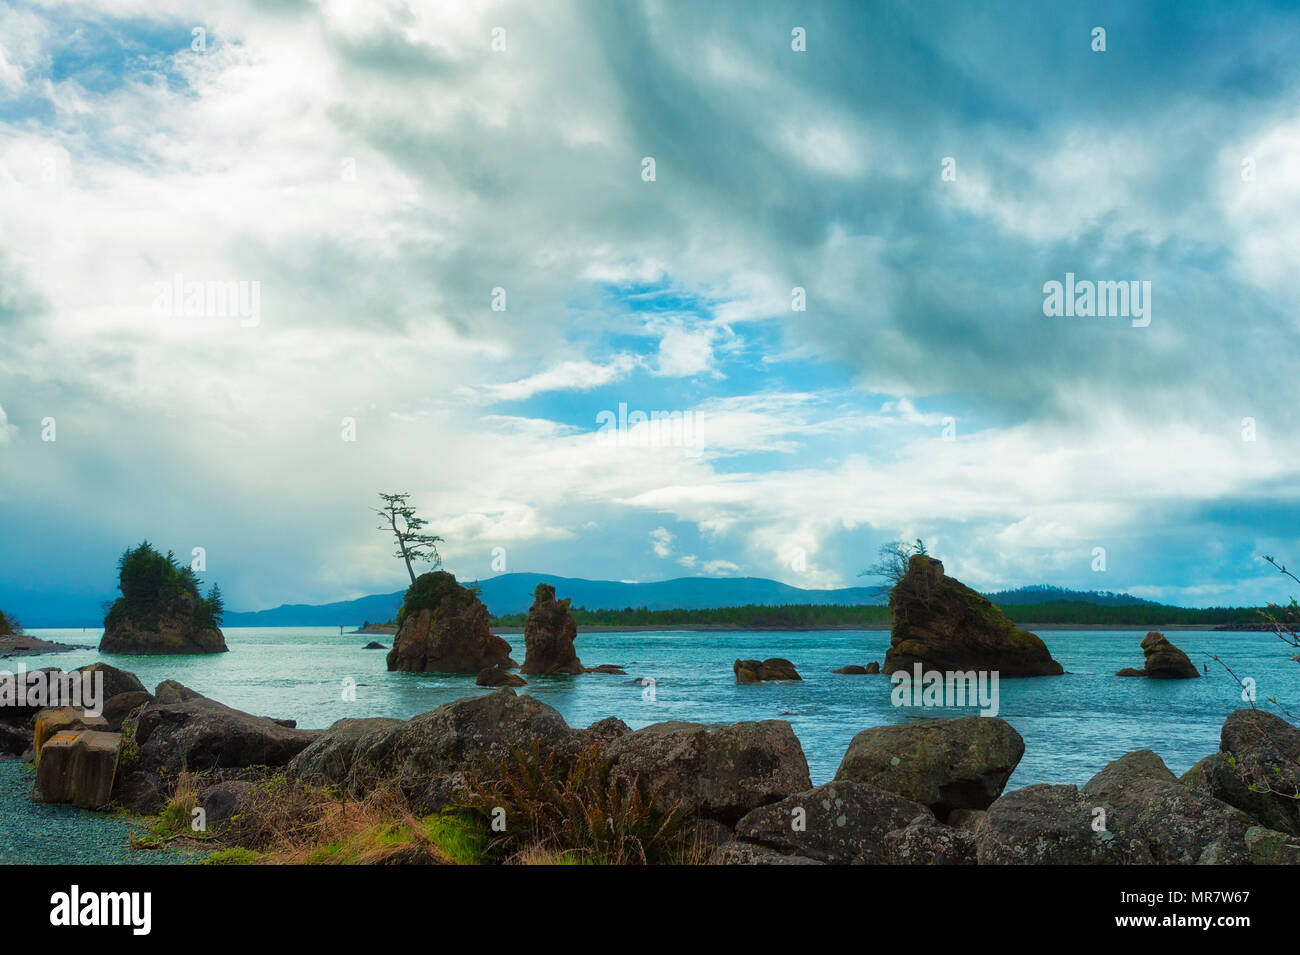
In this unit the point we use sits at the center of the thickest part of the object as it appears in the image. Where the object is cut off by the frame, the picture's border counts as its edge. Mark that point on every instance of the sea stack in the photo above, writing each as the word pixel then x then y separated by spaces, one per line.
pixel 1164 661
pixel 942 624
pixel 443 628
pixel 160 610
pixel 549 633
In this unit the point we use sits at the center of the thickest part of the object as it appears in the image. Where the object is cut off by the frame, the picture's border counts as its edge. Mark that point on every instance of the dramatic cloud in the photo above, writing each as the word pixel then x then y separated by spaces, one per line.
pixel 259 261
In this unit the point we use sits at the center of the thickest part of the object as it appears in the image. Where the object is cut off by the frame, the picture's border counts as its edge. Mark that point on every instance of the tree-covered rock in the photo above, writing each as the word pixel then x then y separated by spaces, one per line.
pixel 942 624
pixel 161 609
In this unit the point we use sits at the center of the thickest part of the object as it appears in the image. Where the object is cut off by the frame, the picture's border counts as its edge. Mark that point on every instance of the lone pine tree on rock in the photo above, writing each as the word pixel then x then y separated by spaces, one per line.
pixel 413 546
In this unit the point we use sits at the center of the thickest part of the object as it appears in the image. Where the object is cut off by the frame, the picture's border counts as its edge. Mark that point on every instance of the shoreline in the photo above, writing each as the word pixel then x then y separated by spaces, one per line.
pixel 874 627
pixel 25 645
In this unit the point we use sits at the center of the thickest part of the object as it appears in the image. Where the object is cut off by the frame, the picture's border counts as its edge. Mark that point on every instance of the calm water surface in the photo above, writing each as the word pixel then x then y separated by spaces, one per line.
pixel 1072 725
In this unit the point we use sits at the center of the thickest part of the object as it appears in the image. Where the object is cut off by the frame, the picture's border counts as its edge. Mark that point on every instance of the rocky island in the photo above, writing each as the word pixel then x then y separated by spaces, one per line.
pixel 443 627
pixel 160 610
pixel 942 624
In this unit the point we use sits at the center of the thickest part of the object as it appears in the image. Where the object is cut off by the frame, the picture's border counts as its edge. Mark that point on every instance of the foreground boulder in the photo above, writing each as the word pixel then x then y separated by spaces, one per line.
pixel 1164 661
pixel 1173 824
pixel 1050 825
pixel 926 841
pixel 714 771
pixel 78 767
pixel 327 760
pixel 760 671
pixel 200 734
pixel 120 707
pixel 15 739
pixel 428 755
pixel 840 823
pixel 942 624
pixel 1257 769
pixel 549 633
pixel 114 681
pixel 443 628
pixel 942 764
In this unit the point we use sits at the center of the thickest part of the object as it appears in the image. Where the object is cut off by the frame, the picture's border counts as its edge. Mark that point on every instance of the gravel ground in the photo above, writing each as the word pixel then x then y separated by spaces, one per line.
pixel 34 833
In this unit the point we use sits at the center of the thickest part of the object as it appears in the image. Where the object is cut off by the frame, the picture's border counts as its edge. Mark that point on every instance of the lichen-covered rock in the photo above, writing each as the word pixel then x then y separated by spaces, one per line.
pixel 926 841
pixel 444 628
pixel 428 755
pixel 607 730
pixel 549 633
pixel 717 772
pixel 1257 769
pixel 495 676
pixel 941 764
pixel 200 734
pixel 327 760
pixel 942 624
pixel 746 853
pixel 840 823
pixel 1175 825
pixel 1163 660
pixel 1270 847
pixel 761 671
pixel 78 767
pixel 1050 825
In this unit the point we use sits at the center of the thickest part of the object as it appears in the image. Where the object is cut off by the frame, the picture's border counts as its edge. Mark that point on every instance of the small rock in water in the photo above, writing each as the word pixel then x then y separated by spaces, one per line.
pixel 374 645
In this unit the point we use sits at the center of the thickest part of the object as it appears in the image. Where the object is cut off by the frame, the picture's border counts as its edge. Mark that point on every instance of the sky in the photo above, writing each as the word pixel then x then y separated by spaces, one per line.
pixel 463 250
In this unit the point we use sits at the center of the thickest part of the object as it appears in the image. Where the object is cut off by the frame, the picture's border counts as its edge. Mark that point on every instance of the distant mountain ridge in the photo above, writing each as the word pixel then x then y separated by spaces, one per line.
pixel 1044 593
pixel 513 593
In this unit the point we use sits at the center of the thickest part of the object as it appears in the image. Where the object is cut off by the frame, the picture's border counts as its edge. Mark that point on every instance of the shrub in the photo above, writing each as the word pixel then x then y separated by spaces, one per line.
pixel 575 808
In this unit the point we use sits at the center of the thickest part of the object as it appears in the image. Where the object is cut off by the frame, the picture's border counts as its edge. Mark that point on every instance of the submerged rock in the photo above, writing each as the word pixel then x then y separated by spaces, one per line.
pixel 942 624
pixel 714 771
pixel 444 628
pixel 840 823
pixel 760 671
pixel 941 764
pixel 851 669
pixel 374 645
pixel 549 633
pixel 495 676
pixel 1164 661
